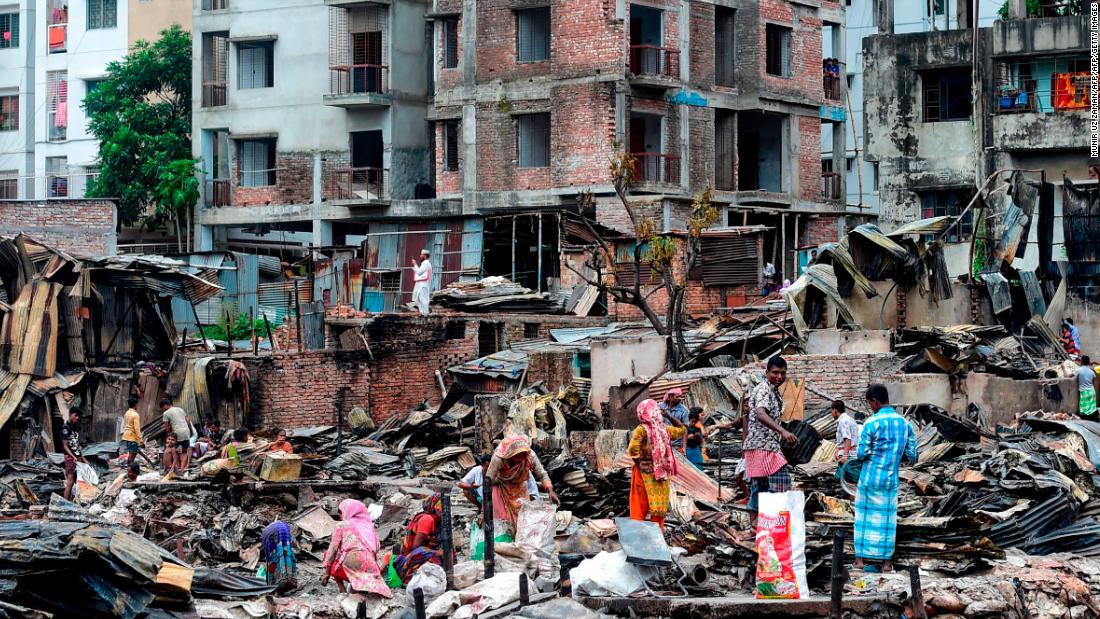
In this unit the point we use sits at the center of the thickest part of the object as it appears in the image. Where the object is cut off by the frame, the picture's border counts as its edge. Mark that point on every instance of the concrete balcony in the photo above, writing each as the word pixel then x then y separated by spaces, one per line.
pixel 653 66
pixel 359 86
pixel 1036 131
pixel 358 185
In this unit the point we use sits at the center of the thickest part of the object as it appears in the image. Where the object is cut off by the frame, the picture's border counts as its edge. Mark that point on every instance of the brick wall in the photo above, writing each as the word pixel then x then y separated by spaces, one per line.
pixel 295 390
pixel 552 368
pixel 844 377
pixel 701 128
pixel 293 180
pixel 82 227
pixel 806 75
pixel 702 44
pixel 819 229
pixel 809 157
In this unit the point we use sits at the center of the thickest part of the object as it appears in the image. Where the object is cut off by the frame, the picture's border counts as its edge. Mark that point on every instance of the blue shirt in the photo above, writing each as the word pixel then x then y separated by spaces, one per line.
pixel 679 412
pixel 1075 334
pixel 886 438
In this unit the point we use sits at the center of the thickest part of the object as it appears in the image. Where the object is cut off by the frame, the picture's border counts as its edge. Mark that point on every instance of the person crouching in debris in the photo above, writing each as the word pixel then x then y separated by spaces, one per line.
pixel 422 282
pixel 512 464
pixel 176 422
pixel 887 438
pixel 280 444
pixel 423 540
pixel 277 552
pixel 765 465
pixel 170 459
pixel 1086 388
pixel 654 462
pixel 70 445
pixel 352 555
pixel 1069 342
pixel 229 452
pixel 131 432
pixel 696 437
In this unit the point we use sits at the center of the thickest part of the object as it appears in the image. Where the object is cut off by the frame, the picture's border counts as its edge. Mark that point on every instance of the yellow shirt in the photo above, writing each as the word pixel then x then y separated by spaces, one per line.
pixel 131 426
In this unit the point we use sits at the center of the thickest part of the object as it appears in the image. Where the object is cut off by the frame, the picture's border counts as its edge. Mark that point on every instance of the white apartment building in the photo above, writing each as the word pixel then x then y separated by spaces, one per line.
pixel 861 21
pixel 52 54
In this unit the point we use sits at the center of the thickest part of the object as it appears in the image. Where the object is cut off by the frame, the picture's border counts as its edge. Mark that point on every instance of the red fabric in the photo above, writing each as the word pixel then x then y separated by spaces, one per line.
pixel 337 572
pixel 423 523
pixel 760 463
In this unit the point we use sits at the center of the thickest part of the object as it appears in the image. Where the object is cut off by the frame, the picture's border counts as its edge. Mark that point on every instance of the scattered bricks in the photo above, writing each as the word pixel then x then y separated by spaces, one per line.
pixel 83 227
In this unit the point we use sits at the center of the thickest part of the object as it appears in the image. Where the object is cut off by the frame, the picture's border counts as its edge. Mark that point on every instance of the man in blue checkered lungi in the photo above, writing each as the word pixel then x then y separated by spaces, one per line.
pixel 887 438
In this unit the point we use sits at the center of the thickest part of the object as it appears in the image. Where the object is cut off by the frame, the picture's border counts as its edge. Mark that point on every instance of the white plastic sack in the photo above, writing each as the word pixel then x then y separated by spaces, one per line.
pixel 606 574
pixel 480 598
pixel 535 527
pixel 781 546
pixel 86 474
pixel 431 580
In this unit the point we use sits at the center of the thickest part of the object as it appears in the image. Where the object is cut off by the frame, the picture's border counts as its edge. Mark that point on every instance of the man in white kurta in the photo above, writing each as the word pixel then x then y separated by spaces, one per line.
pixel 422 282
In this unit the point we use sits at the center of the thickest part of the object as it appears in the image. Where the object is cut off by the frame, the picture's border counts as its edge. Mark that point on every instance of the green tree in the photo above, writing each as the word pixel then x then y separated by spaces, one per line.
pixel 141 115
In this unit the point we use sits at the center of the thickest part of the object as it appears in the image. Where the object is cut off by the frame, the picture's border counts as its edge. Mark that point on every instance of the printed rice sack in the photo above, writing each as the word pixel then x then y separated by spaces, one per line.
pixel 781 546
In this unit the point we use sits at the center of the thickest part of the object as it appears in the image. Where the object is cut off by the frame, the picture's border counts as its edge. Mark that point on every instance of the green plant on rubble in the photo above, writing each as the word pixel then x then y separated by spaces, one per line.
pixel 669 256
pixel 241 329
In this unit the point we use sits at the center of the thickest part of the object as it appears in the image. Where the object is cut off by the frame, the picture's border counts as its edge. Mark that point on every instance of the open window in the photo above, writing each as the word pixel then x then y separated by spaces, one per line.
pixel 215 68
pixel 450 43
pixel 257 162
pixel 533 34
pixel 947 94
pixel 778 50
pixel 450 145
pixel 724 48
pixel 760 140
pixel 256 65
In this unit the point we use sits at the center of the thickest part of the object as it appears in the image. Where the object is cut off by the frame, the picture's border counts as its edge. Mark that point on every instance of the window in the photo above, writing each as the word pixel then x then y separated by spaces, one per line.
pixel 849 163
pixel 57 104
pixel 215 68
pixel 456 329
pixel 450 43
pixel 947 94
pixel 9 112
pixel 530 330
pixel 533 140
pixel 9 185
pixel 57 177
pixel 938 7
pixel 102 14
pixel 533 34
pixel 256 65
pixel 723 46
pixel 9 30
pixel 214 5
pixel 91 86
pixel 257 163
pixel 488 338
pixel 778 50
pixel 450 145
pixel 951 203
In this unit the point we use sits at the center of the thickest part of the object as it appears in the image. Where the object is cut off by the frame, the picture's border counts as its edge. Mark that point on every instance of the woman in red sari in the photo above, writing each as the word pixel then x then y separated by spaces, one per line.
pixel 512 463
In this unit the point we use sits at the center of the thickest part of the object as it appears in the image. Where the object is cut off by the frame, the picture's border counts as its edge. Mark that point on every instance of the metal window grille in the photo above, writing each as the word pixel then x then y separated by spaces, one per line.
pixel 57 104
pixel 952 204
pixel 450 43
pixel 9 185
pixel 102 14
pixel 450 145
pixel 778 50
pixel 256 65
pixel 947 94
pixel 533 137
pixel 9 113
pixel 724 45
pixel 533 34
pixel 57 177
pixel 257 163
pixel 215 68
pixel 725 149
pixel 214 5
pixel 9 30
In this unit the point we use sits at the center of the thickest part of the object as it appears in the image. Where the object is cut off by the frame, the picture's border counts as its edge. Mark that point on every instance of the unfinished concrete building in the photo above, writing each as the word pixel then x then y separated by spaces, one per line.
pixel 533 97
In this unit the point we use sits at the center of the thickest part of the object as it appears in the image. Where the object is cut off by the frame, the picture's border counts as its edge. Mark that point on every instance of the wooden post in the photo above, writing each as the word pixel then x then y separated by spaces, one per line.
pixel 270 338
pixel 487 504
pixel 448 544
pixel 840 575
pixel 229 332
pixel 198 325
pixel 252 327
pixel 916 593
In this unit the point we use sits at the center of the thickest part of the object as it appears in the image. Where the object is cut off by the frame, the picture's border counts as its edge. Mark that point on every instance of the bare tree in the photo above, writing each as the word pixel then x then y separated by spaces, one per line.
pixel 670 257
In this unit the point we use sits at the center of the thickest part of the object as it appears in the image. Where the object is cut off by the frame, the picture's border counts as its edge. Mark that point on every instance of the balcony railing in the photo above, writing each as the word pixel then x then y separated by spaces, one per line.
pixel 358 79
pixel 214 5
pixel 832 87
pixel 1069 92
pixel 655 61
pixel 359 184
pixel 213 93
pixel 831 186
pixel 217 192
pixel 656 168
pixel 56 37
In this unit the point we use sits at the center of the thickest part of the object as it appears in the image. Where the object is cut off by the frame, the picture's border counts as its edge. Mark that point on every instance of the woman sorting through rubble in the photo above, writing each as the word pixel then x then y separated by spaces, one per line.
pixel 352 556
pixel 513 462
pixel 277 553
pixel 654 463
pixel 281 444
pixel 423 541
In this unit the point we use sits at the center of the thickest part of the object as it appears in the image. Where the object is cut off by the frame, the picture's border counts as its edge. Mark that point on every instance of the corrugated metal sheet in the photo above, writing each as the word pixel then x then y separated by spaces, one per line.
pixel 568 336
pixel 730 260
pixel 472 247
pixel 313 325
pixel 932 225
pixel 230 297
pixel 999 292
pixel 29 341
pixel 248 280
pixel 270 266
pixel 1081 222
pixel 1035 301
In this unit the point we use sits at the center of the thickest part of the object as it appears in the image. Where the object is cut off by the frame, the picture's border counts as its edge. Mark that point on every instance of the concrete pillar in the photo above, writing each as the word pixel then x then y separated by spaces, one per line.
pixel 204 238
pixel 789 168
pixel 468 147
pixel 322 232
pixel 884 16
pixel 318 180
pixel 685 123
pixel 840 159
pixel 1017 9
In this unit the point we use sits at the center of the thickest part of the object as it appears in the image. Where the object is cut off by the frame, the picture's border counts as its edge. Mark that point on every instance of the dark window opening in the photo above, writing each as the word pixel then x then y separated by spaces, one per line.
pixel 533 34
pixel 778 61
pixel 450 145
pixel 530 330
pixel 9 185
pixel 456 329
pixel 511 249
pixel 9 30
pixel 488 338
pixel 450 43
pixel 949 203
pixel 215 68
pixel 760 152
pixel 9 113
pixel 724 46
pixel 367 72
pixel 725 150
pixel 947 94
pixel 257 162
pixel 533 140
pixel 256 65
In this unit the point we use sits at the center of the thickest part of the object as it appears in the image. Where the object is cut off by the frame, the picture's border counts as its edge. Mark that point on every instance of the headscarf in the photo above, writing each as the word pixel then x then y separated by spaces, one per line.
pixel 660 447
pixel 432 508
pixel 511 447
pixel 274 535
pixel 434 505
pixel 356 515
pixel 670 394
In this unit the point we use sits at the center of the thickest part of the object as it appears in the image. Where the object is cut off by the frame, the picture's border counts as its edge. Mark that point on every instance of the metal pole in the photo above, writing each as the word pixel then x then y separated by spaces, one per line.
pixel 252 326
pixel 487 504
pixel 540 253
pixel 270 339
pixel 298 315
pixel 228 333
pixel 198 324
pixel 916 593
pixel 418 599
pixel 524 596
pixel 513 249
pixel 447 534
pixel 840 575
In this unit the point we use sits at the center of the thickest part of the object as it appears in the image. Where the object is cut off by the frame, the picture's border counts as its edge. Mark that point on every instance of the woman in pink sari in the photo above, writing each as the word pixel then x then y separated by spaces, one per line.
pixel 352 557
